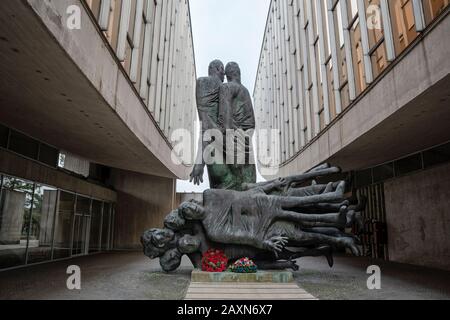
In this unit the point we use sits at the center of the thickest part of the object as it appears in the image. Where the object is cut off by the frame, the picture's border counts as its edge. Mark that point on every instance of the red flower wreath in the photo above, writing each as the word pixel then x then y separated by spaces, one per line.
pixel 214 261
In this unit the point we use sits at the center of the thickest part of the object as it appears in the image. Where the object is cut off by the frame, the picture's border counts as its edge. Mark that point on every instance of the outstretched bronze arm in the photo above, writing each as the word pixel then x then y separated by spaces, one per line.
pixel 287 182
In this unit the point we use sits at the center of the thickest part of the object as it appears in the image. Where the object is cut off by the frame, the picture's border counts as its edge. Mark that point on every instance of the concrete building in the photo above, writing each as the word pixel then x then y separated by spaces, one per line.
pixel 90 94
pixel 365 85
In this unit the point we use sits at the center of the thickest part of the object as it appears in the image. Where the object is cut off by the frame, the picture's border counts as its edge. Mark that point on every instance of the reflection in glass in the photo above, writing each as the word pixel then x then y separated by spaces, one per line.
pixel 96 226
pixel 15 207
pixel 111 227
pixel 41 224
pixel 63 226
pixel 433 8
pixel 81 226
pixel 403 23
pixel 106 227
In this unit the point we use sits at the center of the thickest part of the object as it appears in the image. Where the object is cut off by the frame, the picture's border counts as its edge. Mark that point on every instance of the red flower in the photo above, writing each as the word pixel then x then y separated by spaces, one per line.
pixel 214 261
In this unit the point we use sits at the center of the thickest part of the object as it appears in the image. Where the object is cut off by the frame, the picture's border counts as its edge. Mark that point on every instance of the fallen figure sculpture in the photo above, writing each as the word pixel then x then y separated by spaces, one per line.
pixel 273 223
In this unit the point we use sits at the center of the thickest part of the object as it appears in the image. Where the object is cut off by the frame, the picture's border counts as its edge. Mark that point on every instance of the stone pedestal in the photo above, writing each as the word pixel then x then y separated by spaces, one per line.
pixel 230 277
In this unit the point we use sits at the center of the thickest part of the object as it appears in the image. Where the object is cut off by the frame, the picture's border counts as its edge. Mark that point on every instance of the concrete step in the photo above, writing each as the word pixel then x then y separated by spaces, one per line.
pixel 246 291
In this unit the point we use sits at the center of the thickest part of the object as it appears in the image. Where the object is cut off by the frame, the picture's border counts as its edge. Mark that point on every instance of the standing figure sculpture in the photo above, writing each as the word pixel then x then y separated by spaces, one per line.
pixel 225 108
pixel 237 120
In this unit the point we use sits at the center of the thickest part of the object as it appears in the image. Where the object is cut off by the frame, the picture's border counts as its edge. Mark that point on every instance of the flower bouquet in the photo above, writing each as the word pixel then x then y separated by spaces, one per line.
pixel 244 265
pixel 214 261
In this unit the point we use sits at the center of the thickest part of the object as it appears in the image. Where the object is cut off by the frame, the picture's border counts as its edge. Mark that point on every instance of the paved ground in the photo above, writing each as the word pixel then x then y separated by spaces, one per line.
pixel 246 291
pixel 132 276
pixel 112 276
pixel 348 280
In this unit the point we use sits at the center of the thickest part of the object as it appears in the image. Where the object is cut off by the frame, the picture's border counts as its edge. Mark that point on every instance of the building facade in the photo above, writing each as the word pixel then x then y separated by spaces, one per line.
pixel 90 94
pixel 365 85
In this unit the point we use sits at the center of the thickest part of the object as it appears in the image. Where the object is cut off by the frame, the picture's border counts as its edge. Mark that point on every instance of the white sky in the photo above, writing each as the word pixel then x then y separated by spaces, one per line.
pixel 229 30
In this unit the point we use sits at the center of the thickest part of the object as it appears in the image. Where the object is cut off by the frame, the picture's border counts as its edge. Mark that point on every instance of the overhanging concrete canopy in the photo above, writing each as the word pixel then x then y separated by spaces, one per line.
pixel 66 88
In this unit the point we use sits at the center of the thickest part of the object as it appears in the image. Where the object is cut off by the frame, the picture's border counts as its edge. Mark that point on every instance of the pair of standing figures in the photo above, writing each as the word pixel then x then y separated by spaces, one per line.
pixel 225 111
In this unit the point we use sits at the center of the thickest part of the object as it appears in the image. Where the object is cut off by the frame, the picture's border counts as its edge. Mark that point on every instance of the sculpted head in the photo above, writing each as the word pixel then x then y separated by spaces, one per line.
pixel 174 221
pixel 216 69
pixel 233 72
pixel 171 260
pixel 189 244
pixel 192 211
pixel 156 242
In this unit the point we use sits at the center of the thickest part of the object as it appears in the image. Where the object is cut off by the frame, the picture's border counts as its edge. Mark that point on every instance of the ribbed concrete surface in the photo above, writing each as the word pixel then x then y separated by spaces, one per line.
pixel 246 291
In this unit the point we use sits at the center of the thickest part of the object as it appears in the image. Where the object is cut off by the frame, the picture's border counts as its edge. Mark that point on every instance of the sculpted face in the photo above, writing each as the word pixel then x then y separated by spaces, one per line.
pixel 159 237
pixel 171 260
pixel 150 250
pixel 221 73
pixel 192 211
pixel 188 244
pixel 216 69
pixel 233 72
pixel 174 221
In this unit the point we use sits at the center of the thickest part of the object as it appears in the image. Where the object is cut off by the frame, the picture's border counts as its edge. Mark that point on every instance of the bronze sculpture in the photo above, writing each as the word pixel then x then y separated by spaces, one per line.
pixel 225 108
pixel 274 222
pixel 267 223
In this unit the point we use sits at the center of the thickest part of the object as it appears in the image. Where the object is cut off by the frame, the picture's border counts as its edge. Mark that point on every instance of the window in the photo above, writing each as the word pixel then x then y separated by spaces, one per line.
pixel 39 223
pixel 114 21
pixel 28 147
pixel 326 29
pixel 363 178
pixel 377 45
pixel 353 9
pixel 437 156
pixel 23 145
pixel 81 224
pixel 48 155
pixel 4 132
pixel 408 165
pixel 94 5
pixel 16 198
pixel 403 23
pixel 338 18
pixel 63 226
pixel 357 55
pixel 433 8
pixel 96 227
pixel 40 239
pixel 106 227
pixel 383 172
pixel 130 38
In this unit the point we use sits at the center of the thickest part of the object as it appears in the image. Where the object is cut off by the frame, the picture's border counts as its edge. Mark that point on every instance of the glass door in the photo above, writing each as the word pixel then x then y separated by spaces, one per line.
pixel 81 226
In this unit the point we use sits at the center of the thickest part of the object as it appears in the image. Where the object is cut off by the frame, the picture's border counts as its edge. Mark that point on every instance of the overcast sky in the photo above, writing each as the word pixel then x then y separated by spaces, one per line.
pixel 229 30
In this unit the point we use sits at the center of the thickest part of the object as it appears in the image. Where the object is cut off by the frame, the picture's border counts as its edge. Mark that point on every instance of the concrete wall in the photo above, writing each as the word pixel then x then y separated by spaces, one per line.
pixel 143 203
pixel 418 217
